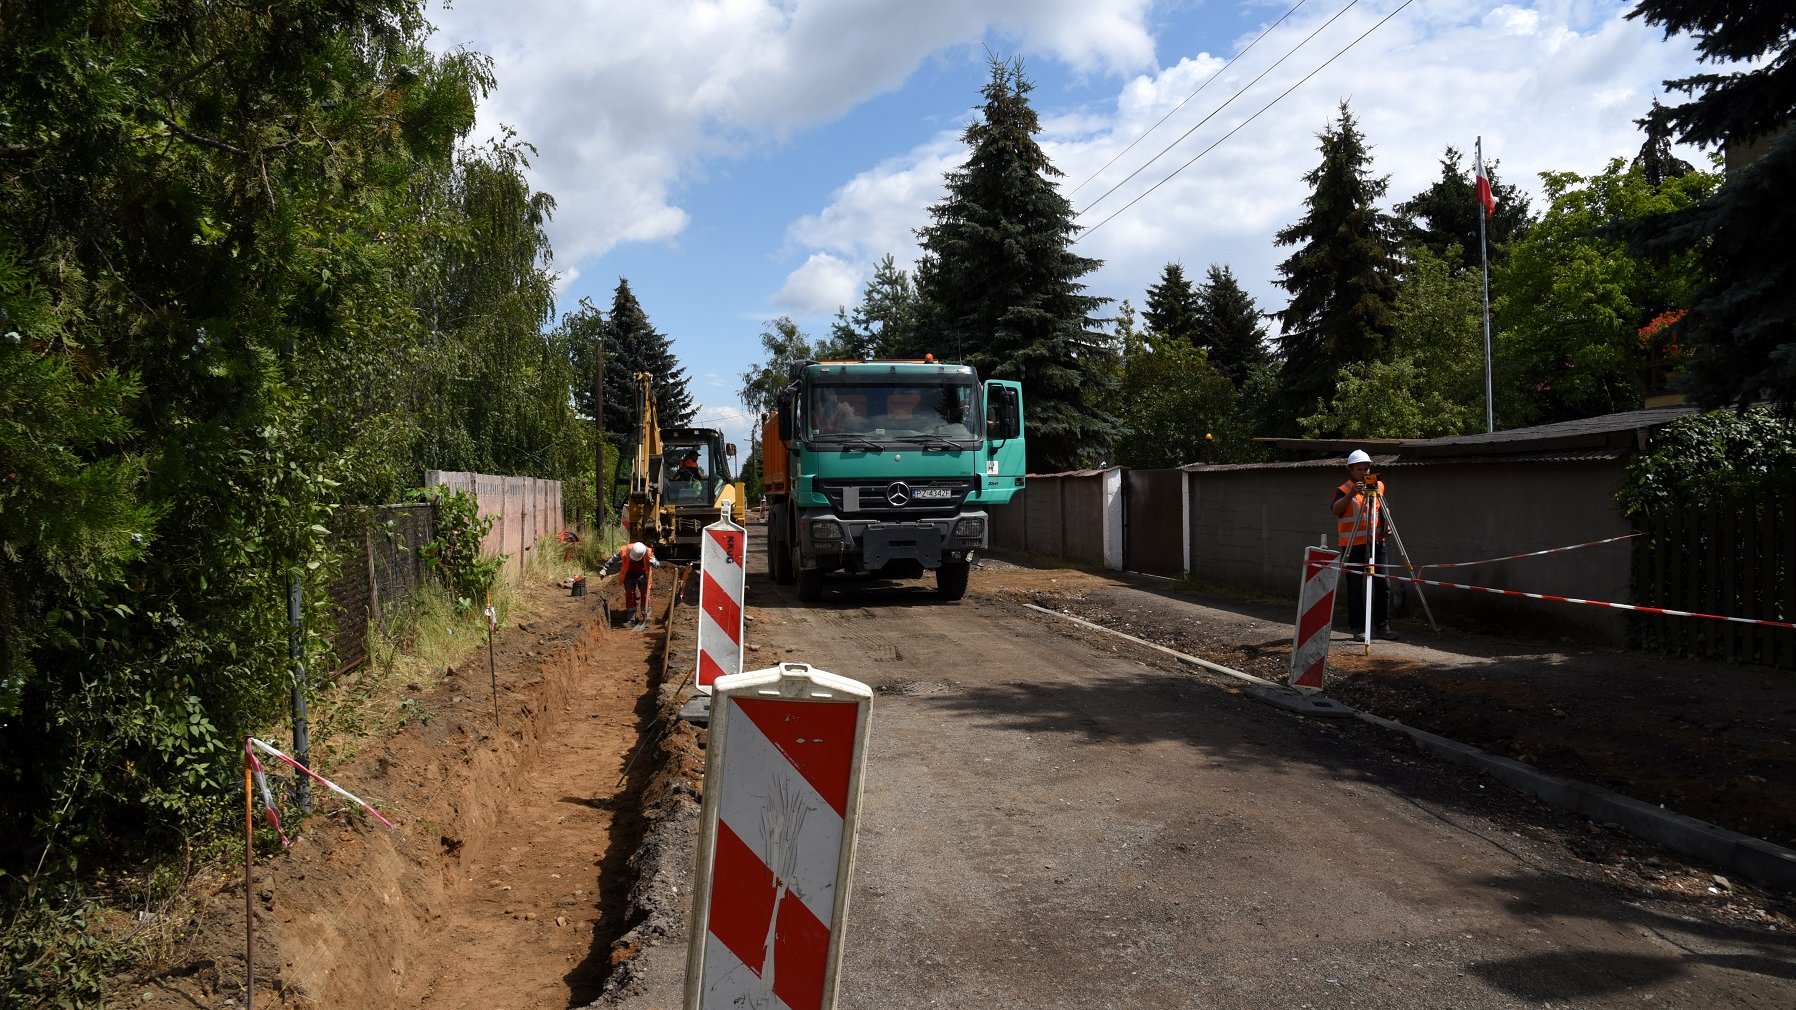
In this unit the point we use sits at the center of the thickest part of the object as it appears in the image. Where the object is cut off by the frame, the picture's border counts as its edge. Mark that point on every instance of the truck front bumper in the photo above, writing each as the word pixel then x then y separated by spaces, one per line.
pixel 830 542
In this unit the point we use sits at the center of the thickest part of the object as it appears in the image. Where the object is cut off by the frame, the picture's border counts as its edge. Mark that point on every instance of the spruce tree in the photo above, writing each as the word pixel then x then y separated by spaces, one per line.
pixel 1004 286
pixel 1342 276
pixel 886 324
pixel 1446 213
pixel 1172 307
pixel 633 345
pixel 1231 326
pixel 1740 330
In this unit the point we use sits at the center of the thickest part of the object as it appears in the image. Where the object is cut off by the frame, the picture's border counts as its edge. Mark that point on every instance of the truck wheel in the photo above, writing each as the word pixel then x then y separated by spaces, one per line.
pixel 951 579
pixel 810 584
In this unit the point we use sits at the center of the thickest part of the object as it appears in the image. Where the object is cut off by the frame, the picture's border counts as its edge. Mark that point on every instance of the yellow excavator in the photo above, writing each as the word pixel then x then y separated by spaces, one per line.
pixel 680 480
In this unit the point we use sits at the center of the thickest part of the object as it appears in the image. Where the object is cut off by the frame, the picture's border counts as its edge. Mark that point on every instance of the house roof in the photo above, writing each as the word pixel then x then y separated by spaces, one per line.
pixel 1617 433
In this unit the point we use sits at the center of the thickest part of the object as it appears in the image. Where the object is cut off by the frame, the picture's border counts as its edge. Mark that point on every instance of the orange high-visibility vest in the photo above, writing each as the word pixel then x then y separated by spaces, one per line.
pixel 1355 527
pixel 628 566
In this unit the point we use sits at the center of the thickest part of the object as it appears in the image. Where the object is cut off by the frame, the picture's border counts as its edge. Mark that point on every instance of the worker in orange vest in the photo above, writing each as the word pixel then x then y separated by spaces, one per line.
pixel 634 563
pixel 1354 502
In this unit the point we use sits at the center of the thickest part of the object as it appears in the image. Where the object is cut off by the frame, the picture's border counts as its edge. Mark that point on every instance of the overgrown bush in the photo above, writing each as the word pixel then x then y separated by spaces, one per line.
pixel 454 553
pixel 1705 459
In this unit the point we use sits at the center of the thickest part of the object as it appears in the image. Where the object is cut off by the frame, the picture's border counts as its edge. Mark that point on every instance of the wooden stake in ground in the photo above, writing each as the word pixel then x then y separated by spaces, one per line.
pixel 492 674
pixel 249 883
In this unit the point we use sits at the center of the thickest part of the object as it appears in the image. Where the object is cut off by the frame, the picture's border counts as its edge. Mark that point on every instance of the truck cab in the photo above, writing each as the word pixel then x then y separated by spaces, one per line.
pixel 886 468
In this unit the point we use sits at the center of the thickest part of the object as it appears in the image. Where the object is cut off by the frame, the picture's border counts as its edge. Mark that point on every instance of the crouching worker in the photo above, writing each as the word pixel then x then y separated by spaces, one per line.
pixel 633 562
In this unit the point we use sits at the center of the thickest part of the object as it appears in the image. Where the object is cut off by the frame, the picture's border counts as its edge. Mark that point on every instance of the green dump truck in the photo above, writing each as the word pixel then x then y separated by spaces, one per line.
pixel 887 468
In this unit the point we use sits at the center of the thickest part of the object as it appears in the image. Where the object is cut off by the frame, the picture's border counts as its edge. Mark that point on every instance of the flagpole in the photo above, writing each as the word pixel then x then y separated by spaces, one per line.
pixel 1490 421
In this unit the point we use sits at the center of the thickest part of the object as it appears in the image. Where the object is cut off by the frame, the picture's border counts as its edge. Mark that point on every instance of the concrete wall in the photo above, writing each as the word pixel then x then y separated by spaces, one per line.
pixel 526 510
pixel 1249 527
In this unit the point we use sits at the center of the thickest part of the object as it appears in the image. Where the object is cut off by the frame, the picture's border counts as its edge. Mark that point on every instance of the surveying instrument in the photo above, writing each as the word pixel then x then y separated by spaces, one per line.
pixel 1377 521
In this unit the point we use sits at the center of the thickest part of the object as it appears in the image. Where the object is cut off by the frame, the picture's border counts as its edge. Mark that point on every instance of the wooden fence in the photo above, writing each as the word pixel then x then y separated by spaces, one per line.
pixel 1739 560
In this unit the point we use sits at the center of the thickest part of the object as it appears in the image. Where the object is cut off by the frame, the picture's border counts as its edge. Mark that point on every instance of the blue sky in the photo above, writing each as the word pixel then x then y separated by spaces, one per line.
pixel 739 160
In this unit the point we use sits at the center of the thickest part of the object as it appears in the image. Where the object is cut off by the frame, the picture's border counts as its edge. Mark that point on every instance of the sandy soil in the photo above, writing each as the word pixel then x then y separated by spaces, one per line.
pixel 504 884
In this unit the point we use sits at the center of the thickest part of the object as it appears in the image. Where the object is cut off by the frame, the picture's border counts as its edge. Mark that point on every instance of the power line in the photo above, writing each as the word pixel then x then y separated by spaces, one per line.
pixel 1249 119
pixel 1249 87
pixel 1144 134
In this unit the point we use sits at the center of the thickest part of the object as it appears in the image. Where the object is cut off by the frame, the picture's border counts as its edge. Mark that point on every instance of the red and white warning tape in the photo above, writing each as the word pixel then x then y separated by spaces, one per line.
pixel 1360 570
pixel 1530 554
pixel 251 745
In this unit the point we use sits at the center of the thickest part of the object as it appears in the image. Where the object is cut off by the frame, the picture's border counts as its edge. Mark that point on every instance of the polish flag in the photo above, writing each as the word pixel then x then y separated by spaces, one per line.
pixel 1485 196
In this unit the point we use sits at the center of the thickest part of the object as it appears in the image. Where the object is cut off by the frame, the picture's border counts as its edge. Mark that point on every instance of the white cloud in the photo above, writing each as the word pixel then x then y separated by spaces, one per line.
pixel 628 101
pixel 819 287
pixel 1436 77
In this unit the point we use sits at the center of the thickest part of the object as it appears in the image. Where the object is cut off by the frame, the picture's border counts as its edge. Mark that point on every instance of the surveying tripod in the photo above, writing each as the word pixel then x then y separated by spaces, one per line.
pixel 1379 515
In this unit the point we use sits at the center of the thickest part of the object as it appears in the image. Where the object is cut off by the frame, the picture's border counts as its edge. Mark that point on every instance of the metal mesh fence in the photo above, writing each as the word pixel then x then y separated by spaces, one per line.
pixel 382 567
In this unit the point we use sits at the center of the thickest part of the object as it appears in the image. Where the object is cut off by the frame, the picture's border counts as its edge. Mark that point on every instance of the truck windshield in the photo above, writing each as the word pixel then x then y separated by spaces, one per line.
pixel 893 411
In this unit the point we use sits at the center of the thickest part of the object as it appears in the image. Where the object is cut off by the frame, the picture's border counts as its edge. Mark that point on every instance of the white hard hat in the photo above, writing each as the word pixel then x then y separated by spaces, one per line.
pixel 637 550
pixel 1358 456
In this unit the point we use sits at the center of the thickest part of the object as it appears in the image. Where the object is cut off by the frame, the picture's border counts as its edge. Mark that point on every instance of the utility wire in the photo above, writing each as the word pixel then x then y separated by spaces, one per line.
pixel 1249 87
pixel 1249 119
pixel 1144 134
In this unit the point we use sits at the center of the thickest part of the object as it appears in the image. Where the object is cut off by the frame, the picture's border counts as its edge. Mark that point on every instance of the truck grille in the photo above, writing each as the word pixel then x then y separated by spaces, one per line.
pixel 870 498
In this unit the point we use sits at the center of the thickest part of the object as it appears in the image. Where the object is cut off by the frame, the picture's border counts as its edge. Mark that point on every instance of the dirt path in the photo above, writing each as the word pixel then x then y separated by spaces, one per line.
pixel 539 893
pixel 505 880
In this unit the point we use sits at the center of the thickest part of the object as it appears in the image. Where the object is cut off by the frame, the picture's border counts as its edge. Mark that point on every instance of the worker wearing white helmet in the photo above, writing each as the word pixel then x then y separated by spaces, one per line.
pixel 1354 503
pixel 634 562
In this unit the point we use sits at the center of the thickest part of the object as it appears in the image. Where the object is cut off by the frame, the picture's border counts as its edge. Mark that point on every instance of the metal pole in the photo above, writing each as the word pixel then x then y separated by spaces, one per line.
pixel 1409 566
pixel 296 654
pixel 1490 416
pixel 598 427
pixel 1371 559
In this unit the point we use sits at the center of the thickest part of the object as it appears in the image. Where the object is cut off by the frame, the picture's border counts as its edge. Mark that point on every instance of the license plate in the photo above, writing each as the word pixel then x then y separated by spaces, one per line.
pixel 933 492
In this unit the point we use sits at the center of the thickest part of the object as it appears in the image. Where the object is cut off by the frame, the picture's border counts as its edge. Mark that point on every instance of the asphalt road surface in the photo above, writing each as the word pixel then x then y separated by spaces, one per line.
pixel 1049 821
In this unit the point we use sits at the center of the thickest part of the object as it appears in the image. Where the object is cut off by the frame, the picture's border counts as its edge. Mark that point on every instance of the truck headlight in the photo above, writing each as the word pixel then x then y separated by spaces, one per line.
pixel 825 529
pixel 970 528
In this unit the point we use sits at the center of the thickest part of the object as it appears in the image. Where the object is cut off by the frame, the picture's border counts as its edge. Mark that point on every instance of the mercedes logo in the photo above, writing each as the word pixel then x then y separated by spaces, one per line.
pixel 898 494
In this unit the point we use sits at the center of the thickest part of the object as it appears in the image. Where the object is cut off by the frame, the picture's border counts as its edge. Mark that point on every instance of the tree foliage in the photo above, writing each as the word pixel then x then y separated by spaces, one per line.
pixel 247 277
pixel 1342 276
pixel 1172 309
pixel 1231 327
pixel 1433 382
pixel 1004 286
pixel 1444 217
pixel 1572 300
pixel 632 345
pixel 888 322
pixel 1740 328
pixel 1710 458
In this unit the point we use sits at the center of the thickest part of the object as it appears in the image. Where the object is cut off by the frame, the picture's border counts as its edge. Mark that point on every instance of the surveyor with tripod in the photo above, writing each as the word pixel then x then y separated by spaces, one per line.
pixel 1356 507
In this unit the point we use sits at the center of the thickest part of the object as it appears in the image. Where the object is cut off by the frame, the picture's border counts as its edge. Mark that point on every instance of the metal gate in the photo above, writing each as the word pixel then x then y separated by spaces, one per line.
pixel 1153 522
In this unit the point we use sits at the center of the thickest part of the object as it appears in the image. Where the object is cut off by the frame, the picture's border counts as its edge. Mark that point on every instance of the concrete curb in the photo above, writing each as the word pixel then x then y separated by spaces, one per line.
pixel 1730 850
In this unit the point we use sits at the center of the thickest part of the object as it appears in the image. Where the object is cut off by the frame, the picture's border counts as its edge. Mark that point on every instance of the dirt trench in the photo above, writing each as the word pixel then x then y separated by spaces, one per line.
pixel 508 880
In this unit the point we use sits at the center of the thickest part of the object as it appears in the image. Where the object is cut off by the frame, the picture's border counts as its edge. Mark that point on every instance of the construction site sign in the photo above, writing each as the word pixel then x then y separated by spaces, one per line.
pixel 776 839
pixel 723 549
pixel 1315 617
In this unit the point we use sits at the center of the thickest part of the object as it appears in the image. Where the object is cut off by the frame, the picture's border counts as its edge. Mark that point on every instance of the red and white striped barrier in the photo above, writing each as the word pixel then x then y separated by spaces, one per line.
pixel 776 839
pixel 1356 569
pixel 721 554
pixel 1530 554
pixel 251 745
pixel 1315 618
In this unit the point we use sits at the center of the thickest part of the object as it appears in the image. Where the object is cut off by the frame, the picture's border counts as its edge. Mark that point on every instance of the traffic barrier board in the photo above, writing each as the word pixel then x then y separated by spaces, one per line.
pixel 1315 617
pixel 776 839
pixel 722 550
